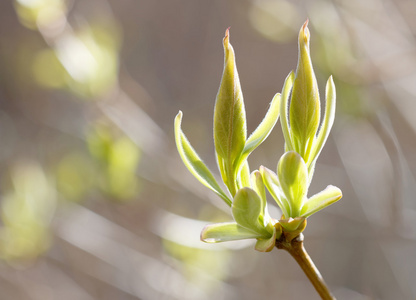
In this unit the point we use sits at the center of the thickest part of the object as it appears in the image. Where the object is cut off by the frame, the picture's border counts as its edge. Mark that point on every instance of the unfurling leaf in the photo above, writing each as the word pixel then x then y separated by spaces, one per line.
pixel 330 103
pixel 243 178
pixel 264 128
pixel 194 164
pixel 248 212
pixel 267 245
pixel 284 111
pixel 321 200
pixel 293 178
pixel 223 232
pixel 273 186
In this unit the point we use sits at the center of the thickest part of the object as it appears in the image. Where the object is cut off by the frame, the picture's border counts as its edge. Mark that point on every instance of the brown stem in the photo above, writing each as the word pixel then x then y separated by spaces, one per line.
pixel 298 252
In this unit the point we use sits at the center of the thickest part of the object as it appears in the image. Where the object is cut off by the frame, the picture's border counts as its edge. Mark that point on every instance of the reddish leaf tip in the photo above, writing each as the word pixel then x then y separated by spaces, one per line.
pixel 227 31
pixel 304 32
pixel 227 34
pixel 306 23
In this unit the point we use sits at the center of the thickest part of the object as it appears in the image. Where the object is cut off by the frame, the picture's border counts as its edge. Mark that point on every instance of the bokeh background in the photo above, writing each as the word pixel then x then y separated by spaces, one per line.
pixel 95 202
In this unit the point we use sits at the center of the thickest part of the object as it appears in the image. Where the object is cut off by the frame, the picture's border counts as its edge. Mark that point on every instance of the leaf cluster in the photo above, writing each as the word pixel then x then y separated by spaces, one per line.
pixel 304 139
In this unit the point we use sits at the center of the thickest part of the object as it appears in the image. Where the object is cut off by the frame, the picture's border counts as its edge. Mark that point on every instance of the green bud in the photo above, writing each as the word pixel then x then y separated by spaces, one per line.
pixel 229 119
pixel 300 119
pixel 304 108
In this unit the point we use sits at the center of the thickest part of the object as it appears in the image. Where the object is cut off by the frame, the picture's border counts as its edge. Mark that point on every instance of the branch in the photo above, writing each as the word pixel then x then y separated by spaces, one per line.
pixel 295 248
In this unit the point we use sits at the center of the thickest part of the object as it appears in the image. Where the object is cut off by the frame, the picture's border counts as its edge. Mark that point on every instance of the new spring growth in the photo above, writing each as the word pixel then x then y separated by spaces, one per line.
pixel 289 186
pixel 301 129
pixel 246 193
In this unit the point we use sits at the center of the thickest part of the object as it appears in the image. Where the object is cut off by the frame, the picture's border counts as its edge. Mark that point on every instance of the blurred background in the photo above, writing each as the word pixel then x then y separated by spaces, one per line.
pixel 94 200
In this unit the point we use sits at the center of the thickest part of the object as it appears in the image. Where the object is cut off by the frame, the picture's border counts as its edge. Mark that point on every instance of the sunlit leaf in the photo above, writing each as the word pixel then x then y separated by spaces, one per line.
pixel 266 245
pixel 321 200
pixel 284 110
pixel 293 178
pixel 247 208
pixel 194 164
pixel 326 123
pixel 273 186
pixel 264 128
pixel 258 186
pixel 223 232
pixel 244 175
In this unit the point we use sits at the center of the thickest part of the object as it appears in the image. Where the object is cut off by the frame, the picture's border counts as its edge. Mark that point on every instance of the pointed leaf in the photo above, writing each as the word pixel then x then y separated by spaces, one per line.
pixel 194 164
pixel 284 111
pixel 273 186
pixel 223 232
pixel 264 129
pixel 293 178
pixel 321 200
pixel 327 122
pixel 304 105
pixel 246 208
pixel 229 117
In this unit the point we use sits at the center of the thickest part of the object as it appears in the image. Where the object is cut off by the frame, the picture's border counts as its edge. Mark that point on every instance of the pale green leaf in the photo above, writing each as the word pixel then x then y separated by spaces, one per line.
pixel 194 164
pixel 229 117
pixel 223 232
pixel 258 186
pixel 304 111
pixel 246 208
pixel 266 245
pixel 293 178
pixel 244 175
pixel 264 128
pixel 330 95
pixel 284 111
pixel 273 186
pixel 321 200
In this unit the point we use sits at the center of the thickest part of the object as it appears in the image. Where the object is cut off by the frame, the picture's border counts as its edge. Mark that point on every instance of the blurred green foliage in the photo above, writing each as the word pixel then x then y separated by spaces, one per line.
pixel 34 13
pixel 109 167
pixel 26 212
pixel 205 268
pixel 84 62
pixel 81 60
pixel 117 158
